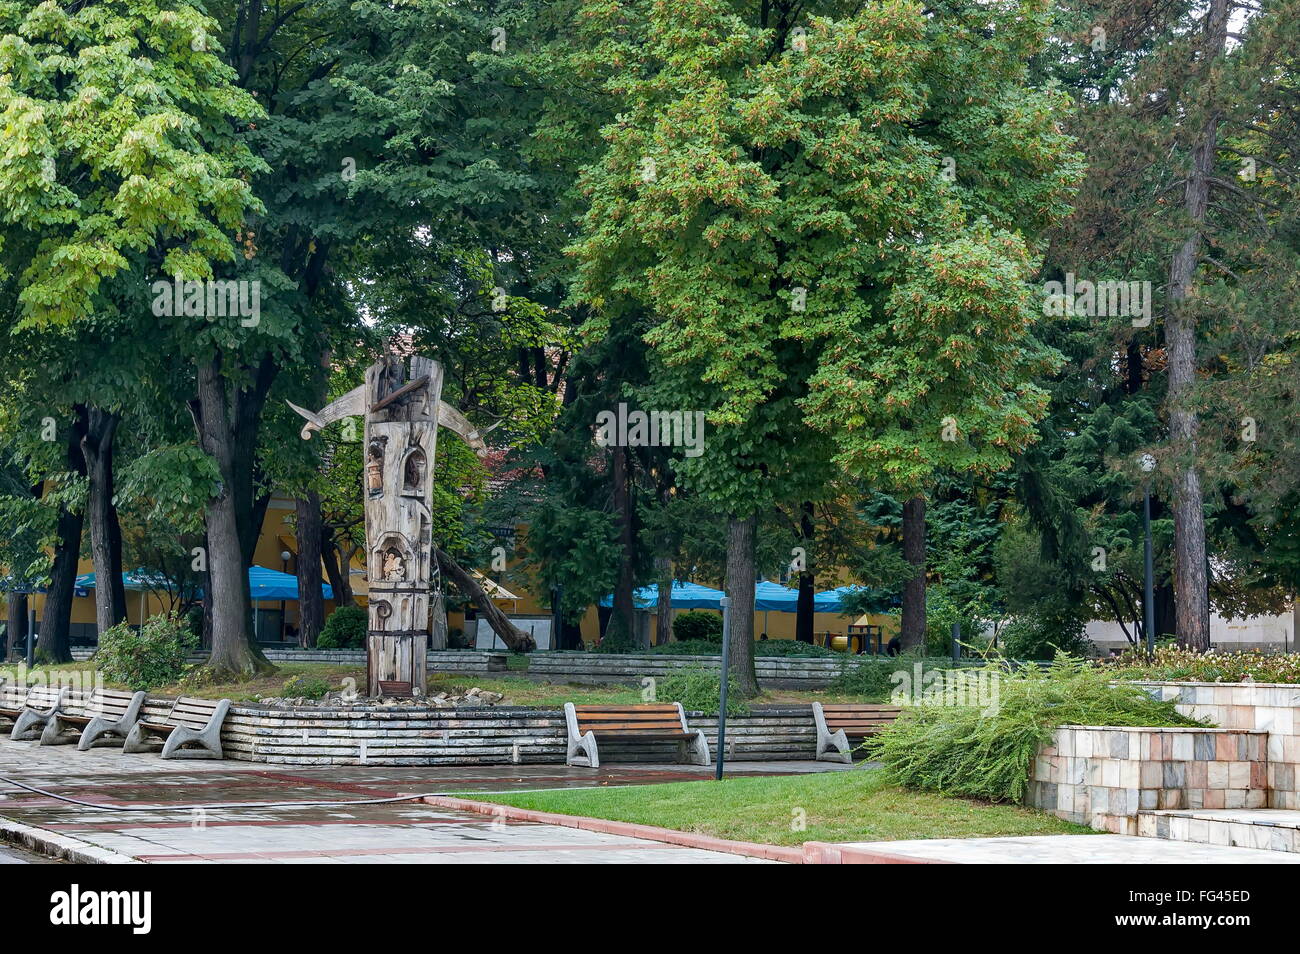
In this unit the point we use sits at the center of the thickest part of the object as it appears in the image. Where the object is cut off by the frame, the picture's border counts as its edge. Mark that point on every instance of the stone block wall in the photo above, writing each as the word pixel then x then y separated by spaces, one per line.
pixel 1103 776
pixel 1261 707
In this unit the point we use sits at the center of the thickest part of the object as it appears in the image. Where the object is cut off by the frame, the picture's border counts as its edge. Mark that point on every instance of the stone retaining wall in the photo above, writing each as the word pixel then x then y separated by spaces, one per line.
pixel 631 668
pixel 444 660
pixel 1103 776
pixel 1263 707
pixel 399 735
pixel 777 672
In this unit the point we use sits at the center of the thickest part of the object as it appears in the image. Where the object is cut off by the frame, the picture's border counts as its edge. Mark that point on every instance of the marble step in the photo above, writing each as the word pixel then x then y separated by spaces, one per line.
pixel 1272 829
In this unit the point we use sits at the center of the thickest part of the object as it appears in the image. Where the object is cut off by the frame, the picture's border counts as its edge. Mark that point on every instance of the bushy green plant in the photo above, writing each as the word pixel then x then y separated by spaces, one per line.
pixel 984 751
pixel 699 689
pixel 344 629
pixel 617 640
pixel 872 678
pixel 688 647
pixel 150 657
pixel 1171 664
pixel 792 647
pixel 763 647
pixel 697 625
pixel 1042 636
pixel 309 687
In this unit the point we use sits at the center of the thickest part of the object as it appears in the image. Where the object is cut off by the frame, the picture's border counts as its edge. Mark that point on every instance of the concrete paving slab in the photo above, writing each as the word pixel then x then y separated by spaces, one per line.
pixel 331 833
pixel 1061 850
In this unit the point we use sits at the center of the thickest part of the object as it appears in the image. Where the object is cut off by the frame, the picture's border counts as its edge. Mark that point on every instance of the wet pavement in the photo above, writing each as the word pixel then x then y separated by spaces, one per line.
pixel 335 833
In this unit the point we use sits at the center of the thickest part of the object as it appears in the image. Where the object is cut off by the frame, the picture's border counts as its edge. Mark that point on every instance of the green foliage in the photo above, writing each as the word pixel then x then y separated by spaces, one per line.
pixel 154 656
pixel 1043 635
pixel 763 647
pixel 616 641
pixel 698 626
pixel 986 752
pixel 872 679
pixel 345 628
pixel 699 690
pixel 1184 665
pixel 792 648
pixel 309 687
pixel 121 133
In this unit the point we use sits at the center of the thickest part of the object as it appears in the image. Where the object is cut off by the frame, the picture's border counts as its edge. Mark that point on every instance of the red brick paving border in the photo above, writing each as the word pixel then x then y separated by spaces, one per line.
pixel 810 853
pixel 684 839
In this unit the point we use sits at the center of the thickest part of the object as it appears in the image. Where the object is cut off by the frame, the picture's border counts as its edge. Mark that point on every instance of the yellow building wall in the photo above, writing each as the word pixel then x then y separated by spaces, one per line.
pixel 277 536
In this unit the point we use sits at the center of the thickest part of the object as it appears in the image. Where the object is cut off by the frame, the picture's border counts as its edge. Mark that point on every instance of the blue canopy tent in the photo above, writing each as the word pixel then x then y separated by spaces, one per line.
pixel 267 584
pixel 683 596
pixel 774 596
pixel 828 601
pixel 770 597
pixel 263 584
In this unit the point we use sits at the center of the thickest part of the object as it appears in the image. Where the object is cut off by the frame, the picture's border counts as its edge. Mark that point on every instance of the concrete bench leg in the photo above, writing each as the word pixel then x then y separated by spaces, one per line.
pixel 581 750
pixel 56 732
pixel 97 729
pixel 699 748
pixel 29 725
pixel 136 739
pixel 834 747
pixel 208 740
pixel 101 726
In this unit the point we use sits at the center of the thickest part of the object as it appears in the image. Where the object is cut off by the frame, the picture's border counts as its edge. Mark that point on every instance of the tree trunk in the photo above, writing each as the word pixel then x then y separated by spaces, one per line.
pixel 16 625
pixel 803 620
pixel 98 428
pixel 664 603
pixel 54 644
pixel 340 580
pixel 511 635
pixel 1166 613
pixel 914 621
pixel 1192 607
pixel 740 614
pixel 311 605
pixel 233 652
pixel 624 607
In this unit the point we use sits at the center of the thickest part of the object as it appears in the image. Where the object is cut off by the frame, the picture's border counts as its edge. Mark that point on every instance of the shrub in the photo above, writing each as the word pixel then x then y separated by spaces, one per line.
pixel 309 687
pixel 699 689
pixel 152 657
pixel 688 647
pixel 1171 664
pixel 872 678
pixel 986 752
pixel 1042 636
pixel 345 629
pixel 697 625
pixel 762 647
pixel 616 640
pixel 791 647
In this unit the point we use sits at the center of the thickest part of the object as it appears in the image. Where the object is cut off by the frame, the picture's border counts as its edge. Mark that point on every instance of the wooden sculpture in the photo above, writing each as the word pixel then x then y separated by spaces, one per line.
pixel 402 409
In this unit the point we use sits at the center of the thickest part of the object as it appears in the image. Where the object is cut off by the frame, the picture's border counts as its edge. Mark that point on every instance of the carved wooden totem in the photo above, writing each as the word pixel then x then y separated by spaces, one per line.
pixel 402 413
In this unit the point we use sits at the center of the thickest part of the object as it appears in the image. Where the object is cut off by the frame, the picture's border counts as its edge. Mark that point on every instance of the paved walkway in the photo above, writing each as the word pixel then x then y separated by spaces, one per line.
pixel 1063 850
pixel 328 834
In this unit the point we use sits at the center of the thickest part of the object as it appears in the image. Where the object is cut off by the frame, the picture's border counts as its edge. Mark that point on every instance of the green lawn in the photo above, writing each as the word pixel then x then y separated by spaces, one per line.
pixel 837 806
pixel 517 688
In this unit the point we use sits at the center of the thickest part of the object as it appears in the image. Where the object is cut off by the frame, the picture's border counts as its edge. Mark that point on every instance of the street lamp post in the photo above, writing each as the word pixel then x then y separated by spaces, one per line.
pixel 284 568
pixel 1148 464
pixel 724 602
